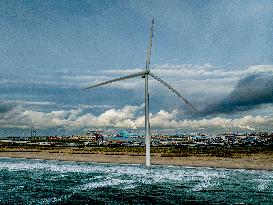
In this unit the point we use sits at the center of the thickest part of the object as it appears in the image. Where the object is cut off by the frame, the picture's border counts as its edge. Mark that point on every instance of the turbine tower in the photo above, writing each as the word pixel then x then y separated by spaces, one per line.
pixel 145 74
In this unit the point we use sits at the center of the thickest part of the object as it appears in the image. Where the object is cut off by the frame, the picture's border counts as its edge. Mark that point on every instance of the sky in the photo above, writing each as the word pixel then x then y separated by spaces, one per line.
pixel 217 54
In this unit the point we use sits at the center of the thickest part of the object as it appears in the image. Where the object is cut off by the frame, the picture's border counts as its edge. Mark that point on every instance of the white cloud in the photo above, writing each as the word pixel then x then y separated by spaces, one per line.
pixel 193 79
pixel 123 71
pixel 86 78
pixel 24 102
pixel 191 71
pixel 5 81
pixel 127 117
pixel 261 69
pixel 246 122
pixel 207 80
pixel 189 78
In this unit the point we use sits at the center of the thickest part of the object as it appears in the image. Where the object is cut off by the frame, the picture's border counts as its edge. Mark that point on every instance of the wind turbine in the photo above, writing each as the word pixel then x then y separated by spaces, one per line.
pixel 145 74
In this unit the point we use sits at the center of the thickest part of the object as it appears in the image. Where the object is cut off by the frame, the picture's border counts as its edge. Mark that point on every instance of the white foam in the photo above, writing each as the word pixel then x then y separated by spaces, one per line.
pixel 129 176
pixel 155 175
pixel 263 184
pixel 106 183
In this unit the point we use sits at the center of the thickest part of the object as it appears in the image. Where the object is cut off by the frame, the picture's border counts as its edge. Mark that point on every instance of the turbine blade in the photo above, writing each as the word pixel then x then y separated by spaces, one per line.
pixel 149 49
pixel 172 89
pixel 116 79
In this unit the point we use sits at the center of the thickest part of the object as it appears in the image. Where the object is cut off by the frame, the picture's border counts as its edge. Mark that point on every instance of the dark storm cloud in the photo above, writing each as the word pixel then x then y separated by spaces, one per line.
pixel 250 92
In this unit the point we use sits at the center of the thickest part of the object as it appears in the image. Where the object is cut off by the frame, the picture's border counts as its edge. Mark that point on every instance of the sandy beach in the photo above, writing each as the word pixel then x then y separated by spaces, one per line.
pixel 255 161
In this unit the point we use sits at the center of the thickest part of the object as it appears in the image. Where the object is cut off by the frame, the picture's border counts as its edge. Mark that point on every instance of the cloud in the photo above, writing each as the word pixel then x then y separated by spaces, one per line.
pixel 202 85
pixel 123 71
pixel 193 79
pixel 251 91
pixel 189 71
pixel 245 122
pixel 5 107
pixel 24 102
pixel 195 71
pixel 126 117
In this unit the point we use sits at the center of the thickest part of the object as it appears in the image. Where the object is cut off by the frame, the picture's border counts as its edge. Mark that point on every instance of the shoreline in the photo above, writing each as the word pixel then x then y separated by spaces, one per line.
pixel 252 162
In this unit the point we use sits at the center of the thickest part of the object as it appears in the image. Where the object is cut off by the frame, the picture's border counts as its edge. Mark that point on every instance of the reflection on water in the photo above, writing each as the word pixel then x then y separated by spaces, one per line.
pixel 26 181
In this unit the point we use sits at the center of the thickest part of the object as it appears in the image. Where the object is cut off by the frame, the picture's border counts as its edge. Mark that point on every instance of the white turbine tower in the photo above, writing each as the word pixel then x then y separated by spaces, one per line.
pixel 145 74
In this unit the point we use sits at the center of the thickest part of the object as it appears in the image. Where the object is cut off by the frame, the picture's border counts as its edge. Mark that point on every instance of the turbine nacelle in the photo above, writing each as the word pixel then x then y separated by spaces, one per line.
pixel 142 75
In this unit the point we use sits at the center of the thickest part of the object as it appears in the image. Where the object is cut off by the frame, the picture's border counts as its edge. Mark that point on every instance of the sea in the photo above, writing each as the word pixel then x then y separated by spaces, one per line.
pixel 28 181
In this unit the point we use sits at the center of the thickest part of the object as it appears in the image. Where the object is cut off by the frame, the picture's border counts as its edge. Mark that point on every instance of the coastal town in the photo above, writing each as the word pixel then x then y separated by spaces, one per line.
pixel 128 138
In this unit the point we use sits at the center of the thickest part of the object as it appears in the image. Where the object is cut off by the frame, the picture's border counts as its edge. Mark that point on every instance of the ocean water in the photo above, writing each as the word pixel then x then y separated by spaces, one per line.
pixel 25 181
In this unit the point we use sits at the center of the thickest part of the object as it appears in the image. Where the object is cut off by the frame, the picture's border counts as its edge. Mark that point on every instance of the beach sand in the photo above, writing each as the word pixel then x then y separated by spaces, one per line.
pixel 255 161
